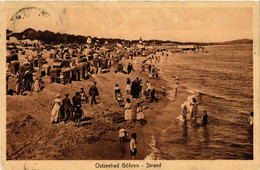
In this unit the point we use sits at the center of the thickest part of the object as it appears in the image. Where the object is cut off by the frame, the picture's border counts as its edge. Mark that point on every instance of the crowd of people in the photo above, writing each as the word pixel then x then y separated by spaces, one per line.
pixel 71 110
pixel 65 110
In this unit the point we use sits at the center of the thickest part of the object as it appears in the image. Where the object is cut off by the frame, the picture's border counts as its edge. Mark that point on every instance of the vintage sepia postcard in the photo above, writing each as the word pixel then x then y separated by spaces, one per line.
pixel 129 85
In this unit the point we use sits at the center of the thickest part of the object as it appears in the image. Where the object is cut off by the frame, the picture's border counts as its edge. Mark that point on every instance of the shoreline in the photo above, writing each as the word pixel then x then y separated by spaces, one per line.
pixel 163 137
pixel 98 118
pixel 147 134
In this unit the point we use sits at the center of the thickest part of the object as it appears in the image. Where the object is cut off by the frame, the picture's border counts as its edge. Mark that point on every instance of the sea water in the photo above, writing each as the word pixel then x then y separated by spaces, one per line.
pixel 223 78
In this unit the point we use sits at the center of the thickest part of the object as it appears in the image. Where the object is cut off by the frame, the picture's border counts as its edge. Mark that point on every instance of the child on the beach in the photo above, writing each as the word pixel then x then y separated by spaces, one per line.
pixel 116 89
pixel 163 90
pixel 133 145
pixel 140 114
pixel 153 98
pixel 122 134
pixel 128 86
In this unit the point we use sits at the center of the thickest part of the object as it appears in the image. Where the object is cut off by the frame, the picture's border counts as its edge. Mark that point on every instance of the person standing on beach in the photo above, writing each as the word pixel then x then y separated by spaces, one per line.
pixel 78 114
pixel 133 146
pixel 66 103
pixel 176 86
pixel 128 110
pixel 116 89
pixel 76 101
pixel 36 85
pixel 128 86
pixel 135 88
pixel 138 87
pixel 153 98
pixel 83 96
pixel 139 114
pixel 122 134
pixel 55 109
pixel 148 85
pixel 130 68
pixel 149 68
pixel 93 92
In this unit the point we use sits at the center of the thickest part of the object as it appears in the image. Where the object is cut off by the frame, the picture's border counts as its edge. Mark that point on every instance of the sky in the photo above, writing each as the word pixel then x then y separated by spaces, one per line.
pixel 164 23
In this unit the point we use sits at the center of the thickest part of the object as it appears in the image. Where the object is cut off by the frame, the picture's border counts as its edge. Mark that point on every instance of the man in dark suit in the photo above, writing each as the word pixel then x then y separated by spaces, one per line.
pixel 76 101
pixel 66 103
pixel 93 92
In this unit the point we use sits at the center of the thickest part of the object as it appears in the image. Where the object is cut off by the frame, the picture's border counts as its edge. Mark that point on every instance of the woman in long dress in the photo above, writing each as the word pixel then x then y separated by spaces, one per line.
pixel 140 114
pixel 128 110
pixel 36 85
pixel 55 109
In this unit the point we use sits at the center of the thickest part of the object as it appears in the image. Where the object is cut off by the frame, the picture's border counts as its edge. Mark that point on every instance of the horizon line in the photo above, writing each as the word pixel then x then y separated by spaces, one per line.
pixel 136 39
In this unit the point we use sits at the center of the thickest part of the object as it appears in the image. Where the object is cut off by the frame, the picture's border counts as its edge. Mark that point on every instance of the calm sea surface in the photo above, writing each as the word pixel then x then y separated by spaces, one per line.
pixel 224 79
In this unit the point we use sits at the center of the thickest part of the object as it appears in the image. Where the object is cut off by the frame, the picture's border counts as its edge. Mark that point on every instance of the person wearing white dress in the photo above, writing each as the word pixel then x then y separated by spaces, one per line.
pixel 128 110
pixel 55 109
pixel 36 85
pixel 140 114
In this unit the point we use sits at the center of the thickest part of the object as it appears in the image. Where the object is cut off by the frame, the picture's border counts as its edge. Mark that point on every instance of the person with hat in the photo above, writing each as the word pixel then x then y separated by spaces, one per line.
pixel 55 109
pixel 93 92
pixel 83 96
pixel 66 103
pixel 76 101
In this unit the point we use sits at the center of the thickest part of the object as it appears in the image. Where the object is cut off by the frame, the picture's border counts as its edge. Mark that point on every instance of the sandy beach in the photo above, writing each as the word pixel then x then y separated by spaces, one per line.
pixel 130 85
pixel 31 136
